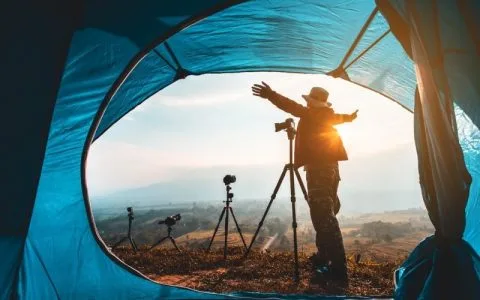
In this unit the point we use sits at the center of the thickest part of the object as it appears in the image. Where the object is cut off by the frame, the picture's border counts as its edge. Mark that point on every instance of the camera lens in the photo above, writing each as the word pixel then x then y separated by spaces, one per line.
pixel 284 125
pixel 279 126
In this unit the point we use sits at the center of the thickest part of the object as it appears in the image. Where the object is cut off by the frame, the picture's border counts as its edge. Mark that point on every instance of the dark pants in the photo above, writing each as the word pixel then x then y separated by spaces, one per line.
pixel 322 182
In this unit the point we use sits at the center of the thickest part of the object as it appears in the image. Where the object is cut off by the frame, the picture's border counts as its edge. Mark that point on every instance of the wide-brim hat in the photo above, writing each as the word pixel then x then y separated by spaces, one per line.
pixel 318 97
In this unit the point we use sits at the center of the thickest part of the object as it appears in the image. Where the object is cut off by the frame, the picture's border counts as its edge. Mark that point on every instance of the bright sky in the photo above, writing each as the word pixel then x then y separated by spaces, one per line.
pixel 213 120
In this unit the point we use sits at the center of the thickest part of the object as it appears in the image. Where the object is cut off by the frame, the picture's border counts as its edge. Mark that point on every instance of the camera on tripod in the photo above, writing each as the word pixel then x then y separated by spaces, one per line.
pixel 288 124
pixel 170 221
pixel 227 210
pixel 289 127
pixel 129 234
pixel 229 179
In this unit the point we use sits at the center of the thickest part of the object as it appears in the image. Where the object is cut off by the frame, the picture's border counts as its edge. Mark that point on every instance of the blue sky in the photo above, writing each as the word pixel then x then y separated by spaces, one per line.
pixel 214 121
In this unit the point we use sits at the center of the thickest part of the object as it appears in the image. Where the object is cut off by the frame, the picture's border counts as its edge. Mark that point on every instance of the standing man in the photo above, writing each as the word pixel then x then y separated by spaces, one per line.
pixel 319 147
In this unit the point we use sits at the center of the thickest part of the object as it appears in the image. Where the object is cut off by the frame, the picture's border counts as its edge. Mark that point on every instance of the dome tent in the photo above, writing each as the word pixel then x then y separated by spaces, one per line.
pixel 71 69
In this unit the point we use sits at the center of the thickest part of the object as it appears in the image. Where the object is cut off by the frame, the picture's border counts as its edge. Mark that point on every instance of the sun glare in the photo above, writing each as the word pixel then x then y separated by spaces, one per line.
pixel 345 132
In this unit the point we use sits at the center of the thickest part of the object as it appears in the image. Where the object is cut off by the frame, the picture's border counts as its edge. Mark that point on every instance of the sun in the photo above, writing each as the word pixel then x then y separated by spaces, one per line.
pixel 345 132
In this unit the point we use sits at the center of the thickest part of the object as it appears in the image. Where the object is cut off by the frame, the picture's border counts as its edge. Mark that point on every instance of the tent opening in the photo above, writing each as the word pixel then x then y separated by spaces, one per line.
pixel 169 155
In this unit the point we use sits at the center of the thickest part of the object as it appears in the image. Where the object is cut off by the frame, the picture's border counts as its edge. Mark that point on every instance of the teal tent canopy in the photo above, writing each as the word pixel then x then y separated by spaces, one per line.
pixel 71 69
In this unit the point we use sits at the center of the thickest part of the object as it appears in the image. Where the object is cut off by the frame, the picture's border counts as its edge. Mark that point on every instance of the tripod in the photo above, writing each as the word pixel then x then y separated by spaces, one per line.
pixel 129 235
pixel 290 129
pixel 226 210
pixel 169 236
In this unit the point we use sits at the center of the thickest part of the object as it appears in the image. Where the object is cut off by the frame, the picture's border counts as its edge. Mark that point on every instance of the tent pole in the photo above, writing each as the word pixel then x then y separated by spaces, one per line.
pixel 359 36
pixel 368 49
pixel 164 59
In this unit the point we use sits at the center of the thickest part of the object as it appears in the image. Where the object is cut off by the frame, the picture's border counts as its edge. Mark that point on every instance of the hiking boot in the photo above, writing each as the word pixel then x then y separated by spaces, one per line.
pixel 317 261
pixel 329 273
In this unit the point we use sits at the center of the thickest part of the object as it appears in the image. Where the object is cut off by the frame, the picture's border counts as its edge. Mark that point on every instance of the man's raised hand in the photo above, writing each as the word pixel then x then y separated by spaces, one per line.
pixel 354 115
pixel 262 90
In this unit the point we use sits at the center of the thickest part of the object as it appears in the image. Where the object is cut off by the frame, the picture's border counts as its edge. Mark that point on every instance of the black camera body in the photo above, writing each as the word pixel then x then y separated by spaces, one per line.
pixel 170 221
pixel 130 212
pixel 288 124
pixel 228 179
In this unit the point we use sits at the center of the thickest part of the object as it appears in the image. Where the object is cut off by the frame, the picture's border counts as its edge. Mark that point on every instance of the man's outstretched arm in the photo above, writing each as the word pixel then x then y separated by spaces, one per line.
pixel 342 118
pixel 264 91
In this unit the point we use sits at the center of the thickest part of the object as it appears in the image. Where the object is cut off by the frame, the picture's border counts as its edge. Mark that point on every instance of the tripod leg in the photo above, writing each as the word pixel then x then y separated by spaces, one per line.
pixel 132 243
pixel 238 229
pixel 119 242
pixel 158 243
pixel 216 229
pixel 135 244
pixel 302 186
pixel 226 234
pixel 294 220
pixel 173 242
pixel 274 194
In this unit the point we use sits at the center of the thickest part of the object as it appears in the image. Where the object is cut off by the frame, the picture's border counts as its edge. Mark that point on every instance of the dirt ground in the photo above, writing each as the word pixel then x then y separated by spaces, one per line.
pixel 270 271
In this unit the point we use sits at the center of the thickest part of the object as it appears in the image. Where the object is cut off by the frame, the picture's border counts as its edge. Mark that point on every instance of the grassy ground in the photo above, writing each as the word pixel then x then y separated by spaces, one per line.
pixel 271 271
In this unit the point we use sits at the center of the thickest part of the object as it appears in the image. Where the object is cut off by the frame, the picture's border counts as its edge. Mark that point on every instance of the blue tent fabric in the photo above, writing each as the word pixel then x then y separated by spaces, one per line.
pixel 28 94
pixel 444 266
pixel 432 265
pixel 72 69
pixel 241 39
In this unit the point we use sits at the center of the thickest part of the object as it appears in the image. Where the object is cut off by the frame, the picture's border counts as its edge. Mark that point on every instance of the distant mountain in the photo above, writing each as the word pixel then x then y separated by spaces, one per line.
pixel 384 181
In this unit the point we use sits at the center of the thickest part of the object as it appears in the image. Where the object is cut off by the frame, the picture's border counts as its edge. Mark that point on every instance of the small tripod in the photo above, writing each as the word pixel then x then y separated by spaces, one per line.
pixel 129 235
pixel 226 210
pixel 288 126
pixel 169 221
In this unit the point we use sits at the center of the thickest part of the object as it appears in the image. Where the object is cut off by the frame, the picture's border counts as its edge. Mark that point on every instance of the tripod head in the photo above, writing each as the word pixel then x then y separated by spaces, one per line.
pixel 227 180
pixel 289 126
pixel 229 195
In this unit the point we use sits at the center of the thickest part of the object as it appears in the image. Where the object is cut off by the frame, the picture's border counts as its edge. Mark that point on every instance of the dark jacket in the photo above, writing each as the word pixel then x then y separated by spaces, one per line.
pixel 317 141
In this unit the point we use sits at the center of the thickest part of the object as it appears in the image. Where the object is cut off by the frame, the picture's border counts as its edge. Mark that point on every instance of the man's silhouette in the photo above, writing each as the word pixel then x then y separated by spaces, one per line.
pixel 318 147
